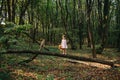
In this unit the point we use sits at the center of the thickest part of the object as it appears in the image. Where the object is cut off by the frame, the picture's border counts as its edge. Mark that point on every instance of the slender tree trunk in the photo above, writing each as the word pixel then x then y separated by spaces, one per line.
pixel 74 15
pixel 11 5
pixel 23 9
pixel 5 11
pixel 80 23
pixel 32 21
pixel 52 26
pixel 105 25
pixel 100 23
pixel 47 21
pixel 118 41
pixel 89 26
pixel 13 10
pixel 72 43
pixel 89 7
pixel 9 10
pixel 118 24
pixel 1 8
pixel 56 17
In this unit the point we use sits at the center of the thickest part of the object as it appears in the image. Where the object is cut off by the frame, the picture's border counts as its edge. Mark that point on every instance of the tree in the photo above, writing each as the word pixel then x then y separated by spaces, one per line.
pixel 11 4
pixel 100 18
pixel 91 43
pixel 65 22
pixel 105 26
pixel 9 10
pixel 1 8
pixel 51 18
pixel 59 55
pixel 23 7
pixel 118 23
pixel 80 23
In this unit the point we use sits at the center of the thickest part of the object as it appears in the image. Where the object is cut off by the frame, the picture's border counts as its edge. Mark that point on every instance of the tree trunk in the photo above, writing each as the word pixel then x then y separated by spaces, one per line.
pixel 33 57
pixel 118 41
pixel 1 7
pixel 5 11
pixel 100 23
pixel 118 24
pixel 89 8
pixel 74 16
pixel 9 10
pixel 56 15
pixel 61 55
pixel 23 8
pixel 13 10
pixel 8 7
pixel 90 28
pixel 80 23
pixel 48 21
pixel 105 26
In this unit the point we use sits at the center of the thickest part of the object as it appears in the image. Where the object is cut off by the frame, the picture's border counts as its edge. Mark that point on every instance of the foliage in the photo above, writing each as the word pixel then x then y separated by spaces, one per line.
pixel 28 21
pixel 11 32
pixel 5 76
pixel 50 77
pixel 60 68
pixel 12 28
pixel 50 18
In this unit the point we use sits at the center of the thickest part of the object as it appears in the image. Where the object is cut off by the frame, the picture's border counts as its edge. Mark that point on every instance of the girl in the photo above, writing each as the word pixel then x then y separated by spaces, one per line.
pixel 64 44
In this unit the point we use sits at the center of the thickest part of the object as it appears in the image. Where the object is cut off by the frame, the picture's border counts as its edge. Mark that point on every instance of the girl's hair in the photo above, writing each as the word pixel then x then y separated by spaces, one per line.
pixel 64 36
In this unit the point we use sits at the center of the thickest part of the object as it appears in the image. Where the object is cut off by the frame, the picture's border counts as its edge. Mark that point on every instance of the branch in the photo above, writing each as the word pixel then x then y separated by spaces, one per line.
pixel 35 40
pixel 61 55
pixel 32 58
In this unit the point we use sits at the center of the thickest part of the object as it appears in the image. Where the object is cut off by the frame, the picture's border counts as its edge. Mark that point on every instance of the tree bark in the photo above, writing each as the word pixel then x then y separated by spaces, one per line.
pixel 100 16
pixel 118 24
pixel 89 8
pixel 23 8
pixel 60 55
pixel 74 15
pixel 32 58
pixel 9 10
pixel 80 23
pixel 105 26
pixel 90 28
pixel 1 8
pixel 13 10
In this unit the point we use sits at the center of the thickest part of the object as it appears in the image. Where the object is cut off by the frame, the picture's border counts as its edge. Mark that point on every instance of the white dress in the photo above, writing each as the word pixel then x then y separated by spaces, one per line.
pixel 64 43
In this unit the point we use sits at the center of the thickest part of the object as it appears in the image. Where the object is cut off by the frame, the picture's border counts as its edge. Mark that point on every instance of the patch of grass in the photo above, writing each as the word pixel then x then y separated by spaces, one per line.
pixel 53 49
pixel 39 77
pixel 50 77
pixel 69 78
pixel 50 68
pixel 5 76
pixel 110 53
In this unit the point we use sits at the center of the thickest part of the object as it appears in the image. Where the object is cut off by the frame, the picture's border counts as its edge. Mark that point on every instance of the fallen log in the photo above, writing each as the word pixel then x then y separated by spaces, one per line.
pixel 61 55
pixel 32 58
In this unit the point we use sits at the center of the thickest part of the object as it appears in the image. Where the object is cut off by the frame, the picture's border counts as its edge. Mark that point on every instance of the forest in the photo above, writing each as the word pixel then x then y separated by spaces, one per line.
pixel 32 30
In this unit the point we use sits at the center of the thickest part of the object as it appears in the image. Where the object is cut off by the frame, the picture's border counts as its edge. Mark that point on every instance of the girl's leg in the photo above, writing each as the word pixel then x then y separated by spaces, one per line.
pixel 63 51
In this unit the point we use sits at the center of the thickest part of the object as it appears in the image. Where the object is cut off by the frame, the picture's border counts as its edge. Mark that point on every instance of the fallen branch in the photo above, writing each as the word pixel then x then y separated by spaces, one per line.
pixel 35 40
pixel 32 58
pixel 61 55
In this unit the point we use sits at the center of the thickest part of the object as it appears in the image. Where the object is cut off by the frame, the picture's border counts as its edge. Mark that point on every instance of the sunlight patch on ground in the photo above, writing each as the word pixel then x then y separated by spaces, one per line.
pixel 93 64
pixel 20 72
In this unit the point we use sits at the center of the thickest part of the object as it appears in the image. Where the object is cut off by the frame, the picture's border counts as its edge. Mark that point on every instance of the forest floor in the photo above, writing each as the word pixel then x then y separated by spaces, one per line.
pixel 56 68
